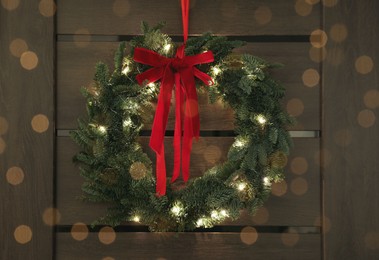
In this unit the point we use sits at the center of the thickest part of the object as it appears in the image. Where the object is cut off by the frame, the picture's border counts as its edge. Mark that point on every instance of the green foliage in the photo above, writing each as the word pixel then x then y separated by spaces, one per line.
pixel 117 107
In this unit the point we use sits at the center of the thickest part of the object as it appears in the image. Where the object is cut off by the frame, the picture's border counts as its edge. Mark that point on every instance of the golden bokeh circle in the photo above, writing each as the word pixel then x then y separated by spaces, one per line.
pixel 303 8
pixel 107 235
pixel 317 54
pixel 40 123
pixel 29 60
pixel 51 216
pixel 372 240
pixel 17 47
pixel 338 32
pixel 299 165
pixel 366 118
pixel 212 154
pixel 121 8
pixel 318 38
pixel 311 78
pixel 364 64
pixel 295 107
pixel 249 235
pixel 261 216
pixel 290 239
pixel 263 15
pixel 371 99
pixel 3 126
pixel 324 223
pixel 15 175
pixel 82 37
pixel 329 3
pixel 3 145
pixel 299 186
pixel 47 8
pixel 138 170
pixel 10 5
pixel 279 188
pixel 79 231
pixel 23 234
pixel 343 137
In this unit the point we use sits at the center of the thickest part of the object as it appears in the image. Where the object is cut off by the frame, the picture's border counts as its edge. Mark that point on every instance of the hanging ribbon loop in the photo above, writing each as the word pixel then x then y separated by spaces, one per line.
pixel 180 72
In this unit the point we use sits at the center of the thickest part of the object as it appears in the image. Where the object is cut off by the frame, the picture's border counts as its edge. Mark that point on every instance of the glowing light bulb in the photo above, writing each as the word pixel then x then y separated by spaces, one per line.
pixel 266 181
pixel 239 143
pixel 151 84
pixel 223 213
pixel 261 119
pixel 216 70
pixel 127 122
pixel 136 219
pixel 167 47
pixel 176 210
pixel 126 70
pixel 199 222
pixel 241 186
pixel 102 129
pixel 214 214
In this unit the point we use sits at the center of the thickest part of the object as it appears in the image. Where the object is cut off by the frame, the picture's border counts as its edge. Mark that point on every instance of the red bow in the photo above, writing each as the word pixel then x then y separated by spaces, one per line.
pixel 180 71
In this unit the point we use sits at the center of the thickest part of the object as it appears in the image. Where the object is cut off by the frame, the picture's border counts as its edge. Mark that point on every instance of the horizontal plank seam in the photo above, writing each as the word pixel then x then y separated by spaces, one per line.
pixel 177 38
pixel 217 229
pixel 212 133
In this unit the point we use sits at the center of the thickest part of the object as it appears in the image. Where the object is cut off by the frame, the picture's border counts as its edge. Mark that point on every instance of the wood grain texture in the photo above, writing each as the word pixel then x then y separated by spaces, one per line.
pixel 350 150
pixel 24 94
pixel 76 68
pixel 228 17
pixel 287 210
pixel 188 246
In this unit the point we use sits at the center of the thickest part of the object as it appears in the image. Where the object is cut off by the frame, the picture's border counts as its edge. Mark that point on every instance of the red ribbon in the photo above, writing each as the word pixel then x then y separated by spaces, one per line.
pixel 180 71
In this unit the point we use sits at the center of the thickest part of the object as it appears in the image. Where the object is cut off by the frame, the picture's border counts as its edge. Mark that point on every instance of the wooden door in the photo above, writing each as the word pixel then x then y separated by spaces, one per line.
pixel 326 208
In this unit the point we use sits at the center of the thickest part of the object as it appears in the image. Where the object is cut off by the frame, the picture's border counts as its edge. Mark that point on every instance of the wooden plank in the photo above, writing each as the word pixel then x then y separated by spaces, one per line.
pixel 190 246
pixel 26 141
pixel 238 17
pixel 76 68
pixel 296 203
pixel 350 131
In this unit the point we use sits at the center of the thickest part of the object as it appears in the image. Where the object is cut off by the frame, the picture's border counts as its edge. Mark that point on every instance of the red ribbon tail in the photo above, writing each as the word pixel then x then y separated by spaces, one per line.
pixel 178 127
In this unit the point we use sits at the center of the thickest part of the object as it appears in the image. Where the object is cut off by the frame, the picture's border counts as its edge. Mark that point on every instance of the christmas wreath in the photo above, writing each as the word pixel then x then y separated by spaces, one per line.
pixel 118 171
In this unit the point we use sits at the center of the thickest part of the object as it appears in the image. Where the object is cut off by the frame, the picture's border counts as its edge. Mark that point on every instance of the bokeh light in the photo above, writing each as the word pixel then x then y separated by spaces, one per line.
pixel 15 175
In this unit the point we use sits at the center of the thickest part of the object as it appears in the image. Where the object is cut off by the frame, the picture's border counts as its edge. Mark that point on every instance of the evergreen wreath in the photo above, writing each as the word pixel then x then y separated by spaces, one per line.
pixel 118 171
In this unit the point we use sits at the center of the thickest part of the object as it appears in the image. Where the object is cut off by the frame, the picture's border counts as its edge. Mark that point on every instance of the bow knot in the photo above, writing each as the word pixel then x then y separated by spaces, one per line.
pixel 178 64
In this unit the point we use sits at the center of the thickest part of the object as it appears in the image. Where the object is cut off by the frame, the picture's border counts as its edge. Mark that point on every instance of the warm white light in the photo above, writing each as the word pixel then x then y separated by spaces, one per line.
pixel 151 84
pixel 127 122
pixel 261 119
pixel 214 214
pixel 176 210
pixel 216 70
pixel 199 222
pixel 239 143
pixel 126 70
pixel 136 219
pixel 224 213
pixel 241 186
pixel 167 47
pixel 266 181
pixel 102 129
